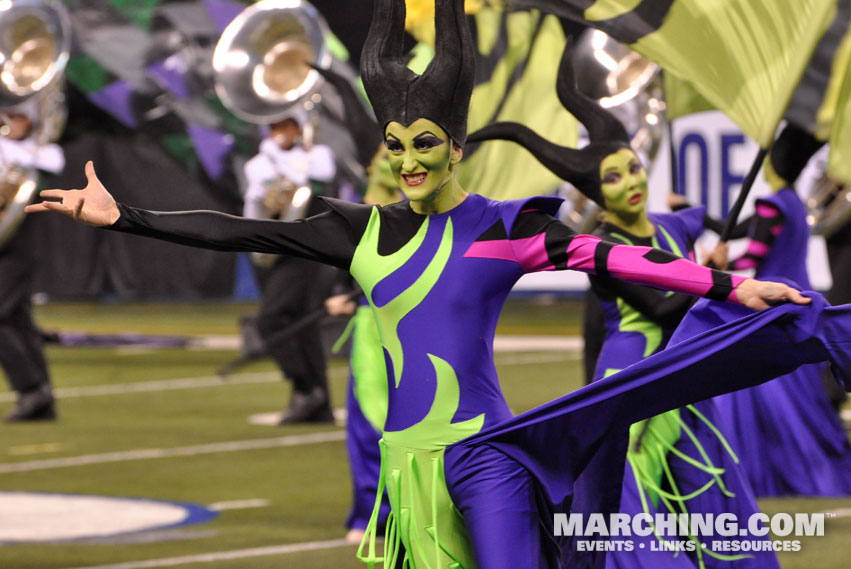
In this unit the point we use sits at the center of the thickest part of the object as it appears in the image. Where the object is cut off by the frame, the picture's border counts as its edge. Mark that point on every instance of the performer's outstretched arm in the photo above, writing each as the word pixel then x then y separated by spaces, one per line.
pixel 328 237
pixel 564 249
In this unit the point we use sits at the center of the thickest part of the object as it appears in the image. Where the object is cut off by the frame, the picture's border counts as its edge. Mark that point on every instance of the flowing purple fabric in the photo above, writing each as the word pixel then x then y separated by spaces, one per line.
pixel 574 445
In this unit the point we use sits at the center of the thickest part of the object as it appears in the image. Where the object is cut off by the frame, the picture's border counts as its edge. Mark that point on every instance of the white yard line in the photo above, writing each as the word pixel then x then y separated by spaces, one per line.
pixel 502 343
pixel 158 385
pixel 151 453
pixel 537 344
pixel 266 377
pixel 238 504
pixel 227 555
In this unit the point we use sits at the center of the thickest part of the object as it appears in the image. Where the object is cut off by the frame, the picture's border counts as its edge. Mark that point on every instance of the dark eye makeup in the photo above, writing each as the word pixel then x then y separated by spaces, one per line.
pixel 426 140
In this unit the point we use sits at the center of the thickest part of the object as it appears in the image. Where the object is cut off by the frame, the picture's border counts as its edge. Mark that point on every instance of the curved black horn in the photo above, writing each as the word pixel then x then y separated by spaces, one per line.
pixel 575 166
pixel 452 71
pixel 384 70
pixel 602 126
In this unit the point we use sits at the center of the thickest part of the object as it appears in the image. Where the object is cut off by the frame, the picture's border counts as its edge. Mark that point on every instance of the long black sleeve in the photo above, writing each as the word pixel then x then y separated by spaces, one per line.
pixel 330 237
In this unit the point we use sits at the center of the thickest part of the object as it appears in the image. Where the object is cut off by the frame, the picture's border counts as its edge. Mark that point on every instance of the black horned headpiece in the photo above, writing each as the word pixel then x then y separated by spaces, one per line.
pixel 442 93
pixel 359 122
pixel 579 166
pixel 791 151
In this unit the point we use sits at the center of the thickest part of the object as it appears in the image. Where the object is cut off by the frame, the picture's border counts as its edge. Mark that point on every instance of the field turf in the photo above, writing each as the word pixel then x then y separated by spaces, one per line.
pixel 303 489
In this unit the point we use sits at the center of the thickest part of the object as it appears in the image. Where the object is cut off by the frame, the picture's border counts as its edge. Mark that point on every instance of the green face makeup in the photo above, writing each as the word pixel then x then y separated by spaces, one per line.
pixel 623 181
pixel 421 158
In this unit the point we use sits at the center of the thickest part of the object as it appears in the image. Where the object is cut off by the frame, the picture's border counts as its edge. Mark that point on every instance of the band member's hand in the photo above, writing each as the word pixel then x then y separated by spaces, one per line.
pixel 677 201
pixel 340 305
pixel 759 295
pixel 92 205
pixel 718 257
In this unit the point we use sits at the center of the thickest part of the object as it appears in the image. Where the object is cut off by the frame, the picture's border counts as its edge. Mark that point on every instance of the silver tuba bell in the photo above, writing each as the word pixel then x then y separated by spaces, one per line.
pixel 627 85
pixel 35 42
pixel 262 63
pixel 828 206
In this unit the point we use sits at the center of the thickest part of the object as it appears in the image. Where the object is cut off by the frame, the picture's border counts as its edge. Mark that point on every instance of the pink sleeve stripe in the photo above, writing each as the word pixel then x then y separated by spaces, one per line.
pixel 580 253
pixel 758 248
pixel 680 275
pixel 531 253
pixel 777 229
pixel 744 263
pixel 766 211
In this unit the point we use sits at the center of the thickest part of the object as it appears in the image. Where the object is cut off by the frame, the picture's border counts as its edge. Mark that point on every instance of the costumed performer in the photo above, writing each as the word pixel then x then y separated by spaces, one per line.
pixel 789 438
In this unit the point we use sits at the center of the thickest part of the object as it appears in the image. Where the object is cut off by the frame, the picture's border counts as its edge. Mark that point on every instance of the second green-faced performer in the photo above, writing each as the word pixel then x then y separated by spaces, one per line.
pixel 678 462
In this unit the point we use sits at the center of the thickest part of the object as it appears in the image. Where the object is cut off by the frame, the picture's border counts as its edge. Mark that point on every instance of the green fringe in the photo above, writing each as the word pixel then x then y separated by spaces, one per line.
pixel 675 501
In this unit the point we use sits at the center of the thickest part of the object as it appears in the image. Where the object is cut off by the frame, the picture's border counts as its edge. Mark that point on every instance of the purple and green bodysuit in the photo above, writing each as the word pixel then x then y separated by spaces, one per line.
pixel 437 284
pixel 678 461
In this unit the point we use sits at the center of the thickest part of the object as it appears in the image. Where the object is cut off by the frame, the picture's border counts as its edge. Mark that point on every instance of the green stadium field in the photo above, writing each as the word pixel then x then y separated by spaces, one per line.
pixel 159 424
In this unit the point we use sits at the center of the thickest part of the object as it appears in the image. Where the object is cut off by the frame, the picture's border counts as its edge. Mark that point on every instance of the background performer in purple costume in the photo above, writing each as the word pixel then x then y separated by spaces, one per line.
pixel 788 437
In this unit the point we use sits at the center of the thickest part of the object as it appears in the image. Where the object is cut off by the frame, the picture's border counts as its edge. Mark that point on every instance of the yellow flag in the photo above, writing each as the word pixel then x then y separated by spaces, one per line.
pixel 745 57
pixel 519 86
pixel 839 163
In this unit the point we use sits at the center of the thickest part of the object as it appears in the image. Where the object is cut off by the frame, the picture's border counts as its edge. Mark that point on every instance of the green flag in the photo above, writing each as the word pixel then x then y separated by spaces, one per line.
pixel 745 57
pixel 519 57
pixel 839 163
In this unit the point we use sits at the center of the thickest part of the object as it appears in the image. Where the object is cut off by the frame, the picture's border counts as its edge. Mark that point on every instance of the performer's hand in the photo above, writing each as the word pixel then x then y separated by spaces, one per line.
pixel 759 295
pixel 718 257
pixel 92 205
pixel 340 305
pixel 677 201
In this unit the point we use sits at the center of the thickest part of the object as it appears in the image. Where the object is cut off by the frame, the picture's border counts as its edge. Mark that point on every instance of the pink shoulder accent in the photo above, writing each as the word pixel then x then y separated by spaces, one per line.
pixel 766 210
pixel 530 252
pixel 497 249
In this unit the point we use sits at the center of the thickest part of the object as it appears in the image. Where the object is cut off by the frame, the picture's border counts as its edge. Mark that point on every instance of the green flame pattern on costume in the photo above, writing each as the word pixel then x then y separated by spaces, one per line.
pixel 423 516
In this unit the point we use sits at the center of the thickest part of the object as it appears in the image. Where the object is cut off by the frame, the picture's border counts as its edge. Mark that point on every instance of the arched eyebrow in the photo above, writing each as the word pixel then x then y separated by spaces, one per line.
pixel 427 134
pixel 392 137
